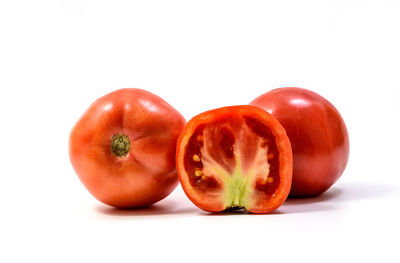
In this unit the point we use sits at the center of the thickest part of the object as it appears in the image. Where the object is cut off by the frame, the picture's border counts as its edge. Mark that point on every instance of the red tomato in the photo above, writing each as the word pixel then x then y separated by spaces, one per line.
pixel 318 135
pixel 235 157
pixel 123 148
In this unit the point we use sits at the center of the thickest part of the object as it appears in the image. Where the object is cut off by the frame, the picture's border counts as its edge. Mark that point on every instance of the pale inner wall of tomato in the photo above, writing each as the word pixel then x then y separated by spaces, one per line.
pixel 237 157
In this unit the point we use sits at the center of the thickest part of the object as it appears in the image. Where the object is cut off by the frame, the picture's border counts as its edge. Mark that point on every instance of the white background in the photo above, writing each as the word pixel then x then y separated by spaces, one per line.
pixel 57 57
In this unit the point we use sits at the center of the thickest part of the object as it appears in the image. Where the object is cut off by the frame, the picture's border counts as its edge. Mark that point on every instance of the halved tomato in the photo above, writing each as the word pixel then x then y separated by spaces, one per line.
pixel 235 157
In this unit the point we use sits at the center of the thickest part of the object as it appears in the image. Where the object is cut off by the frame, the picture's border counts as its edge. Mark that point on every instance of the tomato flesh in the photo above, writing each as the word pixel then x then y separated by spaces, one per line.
pixel 232 160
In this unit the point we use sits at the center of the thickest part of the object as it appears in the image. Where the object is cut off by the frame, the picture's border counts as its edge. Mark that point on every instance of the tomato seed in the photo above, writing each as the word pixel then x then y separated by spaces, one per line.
pixel 198 173
pixel 196 158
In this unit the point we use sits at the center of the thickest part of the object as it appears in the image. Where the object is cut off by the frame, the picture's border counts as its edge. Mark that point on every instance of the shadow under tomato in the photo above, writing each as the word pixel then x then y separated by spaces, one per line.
pixel 153 210
pixel 357 191
pixel 331 194
pixel 347 192
pixel 336 197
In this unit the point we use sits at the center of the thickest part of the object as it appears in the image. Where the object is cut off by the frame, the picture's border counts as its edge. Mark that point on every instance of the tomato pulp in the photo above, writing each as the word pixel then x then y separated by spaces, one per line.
pixel 235 157
pixel 123 148
pixel 318 136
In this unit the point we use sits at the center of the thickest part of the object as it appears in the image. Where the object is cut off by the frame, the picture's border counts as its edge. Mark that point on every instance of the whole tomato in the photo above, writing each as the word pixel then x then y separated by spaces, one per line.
pixel 235 157
pixel 123 148
pixel 318 136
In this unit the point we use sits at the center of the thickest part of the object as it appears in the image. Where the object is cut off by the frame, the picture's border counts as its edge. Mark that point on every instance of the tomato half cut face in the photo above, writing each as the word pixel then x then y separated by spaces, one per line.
pixel 235 157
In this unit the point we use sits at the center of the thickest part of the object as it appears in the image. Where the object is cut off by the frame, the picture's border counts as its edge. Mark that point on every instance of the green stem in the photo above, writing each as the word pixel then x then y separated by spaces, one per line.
pixel 120 145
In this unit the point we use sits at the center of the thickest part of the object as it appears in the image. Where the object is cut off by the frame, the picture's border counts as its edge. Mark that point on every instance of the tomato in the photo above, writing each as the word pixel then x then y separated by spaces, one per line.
pixel 235 157
pixel 318 136
pixel 123 148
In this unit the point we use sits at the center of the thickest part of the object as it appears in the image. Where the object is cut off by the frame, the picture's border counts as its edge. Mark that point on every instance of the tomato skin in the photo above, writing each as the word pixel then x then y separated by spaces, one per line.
pixel 147 173
pixel 213 203
pixel 318 136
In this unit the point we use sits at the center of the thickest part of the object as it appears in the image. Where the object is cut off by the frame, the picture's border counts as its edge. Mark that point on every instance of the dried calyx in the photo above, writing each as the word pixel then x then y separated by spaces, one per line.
pixel 120 145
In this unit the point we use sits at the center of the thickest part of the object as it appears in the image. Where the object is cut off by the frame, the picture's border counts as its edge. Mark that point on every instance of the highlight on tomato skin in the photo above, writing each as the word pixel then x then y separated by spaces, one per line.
pixel 318 135
pixel 235 157
pixel 123 148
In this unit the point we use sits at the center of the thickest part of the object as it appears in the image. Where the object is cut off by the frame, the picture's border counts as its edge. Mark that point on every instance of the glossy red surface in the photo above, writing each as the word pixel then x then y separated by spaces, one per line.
pixel 146 174
pixel 318 136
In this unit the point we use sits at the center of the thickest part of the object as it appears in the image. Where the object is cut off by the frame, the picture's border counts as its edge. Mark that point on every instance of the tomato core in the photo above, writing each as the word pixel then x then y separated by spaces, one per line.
pixel 120 145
